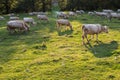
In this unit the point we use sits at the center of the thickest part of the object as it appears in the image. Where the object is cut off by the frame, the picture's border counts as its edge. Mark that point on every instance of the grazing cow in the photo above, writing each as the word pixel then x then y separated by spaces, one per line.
pixel 63 22
pixel 14 18
pixel 93 29
pixel 107 11
pixel 80 11
pixel 29 20
pixel 62 15
pixel 91 13
pixel 11 14
pixel 115 15
pixel 17 24
pixel 43 17
pixel 102 14
pixel 118 10
pixel 71 13
pixel 2 18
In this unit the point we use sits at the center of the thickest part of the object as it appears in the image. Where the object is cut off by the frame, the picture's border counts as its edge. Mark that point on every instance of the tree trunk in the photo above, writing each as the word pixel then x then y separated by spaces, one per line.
pixel 7 6
pixel 43 6
pixel 33 5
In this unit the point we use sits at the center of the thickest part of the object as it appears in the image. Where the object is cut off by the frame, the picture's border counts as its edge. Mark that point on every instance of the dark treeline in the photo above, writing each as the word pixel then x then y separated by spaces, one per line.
pixel 89 4
pixel 9 6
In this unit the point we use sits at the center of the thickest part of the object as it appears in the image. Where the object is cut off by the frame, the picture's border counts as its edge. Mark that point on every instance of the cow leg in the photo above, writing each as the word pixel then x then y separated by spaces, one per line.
pixel 8 29
pixel 47 20
pixel 83 39
pixel 97 37
pixel 58 25
pixel 19 29
pixel 12 31
pixel 15 31
pixel 86 38
pixel 92 36
pixel 71 28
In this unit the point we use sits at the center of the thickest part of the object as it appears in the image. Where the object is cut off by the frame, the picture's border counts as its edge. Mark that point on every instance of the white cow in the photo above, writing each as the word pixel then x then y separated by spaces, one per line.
pixel 29 20
pixel 63 22
pixel 92 29
pixel 2 18
pixel 19 25
pixel 42 17
pixel 14 18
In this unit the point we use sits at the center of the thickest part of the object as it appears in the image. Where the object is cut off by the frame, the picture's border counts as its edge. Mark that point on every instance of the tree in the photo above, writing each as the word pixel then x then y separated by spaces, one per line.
pixel 6 5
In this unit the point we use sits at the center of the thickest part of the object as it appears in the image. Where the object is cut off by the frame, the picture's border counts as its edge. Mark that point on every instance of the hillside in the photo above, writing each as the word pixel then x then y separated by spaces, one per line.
pixel 46 53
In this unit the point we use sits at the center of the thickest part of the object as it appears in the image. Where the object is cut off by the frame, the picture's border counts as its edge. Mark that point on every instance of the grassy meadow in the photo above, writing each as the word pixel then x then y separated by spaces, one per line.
pixel 46 53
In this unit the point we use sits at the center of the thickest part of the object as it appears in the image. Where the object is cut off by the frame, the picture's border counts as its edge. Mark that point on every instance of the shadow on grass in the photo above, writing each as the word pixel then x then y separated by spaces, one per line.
pixel 11 44
pixel 66 32
pixel 6 54
pixel 102 49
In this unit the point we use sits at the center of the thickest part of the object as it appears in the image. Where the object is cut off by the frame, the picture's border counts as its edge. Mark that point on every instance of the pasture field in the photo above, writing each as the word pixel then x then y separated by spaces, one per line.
pixel 45 53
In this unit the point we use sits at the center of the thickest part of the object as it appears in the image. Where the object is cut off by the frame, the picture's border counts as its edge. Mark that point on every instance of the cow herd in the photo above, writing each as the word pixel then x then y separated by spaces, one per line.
pixel 16 25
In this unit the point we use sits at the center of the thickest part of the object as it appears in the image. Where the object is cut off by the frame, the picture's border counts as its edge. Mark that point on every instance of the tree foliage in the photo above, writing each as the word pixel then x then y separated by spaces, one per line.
pixel 9 6
pixel 90 4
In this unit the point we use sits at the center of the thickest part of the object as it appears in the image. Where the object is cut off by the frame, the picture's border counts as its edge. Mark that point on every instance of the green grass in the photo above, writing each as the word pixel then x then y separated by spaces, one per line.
pixel 46 53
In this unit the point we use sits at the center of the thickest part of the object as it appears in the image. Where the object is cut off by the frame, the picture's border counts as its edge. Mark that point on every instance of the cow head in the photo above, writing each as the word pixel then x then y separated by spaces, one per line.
pixel 105 29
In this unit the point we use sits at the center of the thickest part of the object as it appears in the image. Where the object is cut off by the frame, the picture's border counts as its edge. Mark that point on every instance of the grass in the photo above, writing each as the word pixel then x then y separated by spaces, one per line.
pixel 46 53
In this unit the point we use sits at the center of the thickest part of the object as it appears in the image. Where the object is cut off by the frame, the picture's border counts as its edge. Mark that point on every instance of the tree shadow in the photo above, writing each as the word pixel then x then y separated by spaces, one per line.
pixel 66 32
pixel 102 49
pixel 7 53
pixel 19 43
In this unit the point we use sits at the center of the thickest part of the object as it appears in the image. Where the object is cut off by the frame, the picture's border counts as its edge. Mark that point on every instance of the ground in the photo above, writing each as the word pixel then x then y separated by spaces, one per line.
pixel 46 53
